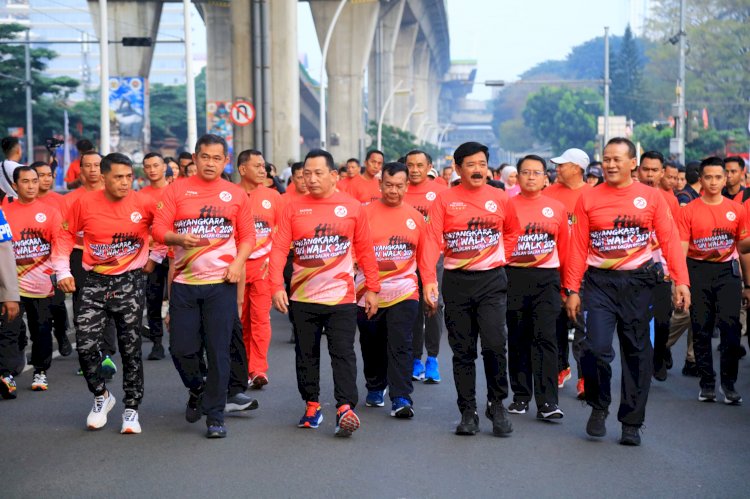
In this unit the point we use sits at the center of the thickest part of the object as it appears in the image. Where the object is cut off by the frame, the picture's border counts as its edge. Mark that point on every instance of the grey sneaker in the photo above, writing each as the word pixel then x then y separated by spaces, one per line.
pixel 240 402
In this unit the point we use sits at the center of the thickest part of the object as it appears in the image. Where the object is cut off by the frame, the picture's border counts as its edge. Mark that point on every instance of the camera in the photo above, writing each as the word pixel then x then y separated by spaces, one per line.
pixel 52 143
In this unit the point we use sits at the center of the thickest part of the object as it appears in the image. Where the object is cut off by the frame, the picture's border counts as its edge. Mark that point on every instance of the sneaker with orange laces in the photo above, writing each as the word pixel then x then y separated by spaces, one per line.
pixel 313 416
pixel 562 377
pixel 580 389
pixel 346 421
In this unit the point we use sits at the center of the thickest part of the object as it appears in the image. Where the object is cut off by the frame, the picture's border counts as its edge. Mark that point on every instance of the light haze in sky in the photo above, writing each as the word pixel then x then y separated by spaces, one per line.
pixel 506 37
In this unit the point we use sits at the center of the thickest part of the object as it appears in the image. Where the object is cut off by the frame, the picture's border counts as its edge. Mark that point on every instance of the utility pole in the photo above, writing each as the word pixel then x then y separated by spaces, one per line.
pixel 103 78
pixel 681 88
pixel 192 120
pixel 606 86
pixel 29 117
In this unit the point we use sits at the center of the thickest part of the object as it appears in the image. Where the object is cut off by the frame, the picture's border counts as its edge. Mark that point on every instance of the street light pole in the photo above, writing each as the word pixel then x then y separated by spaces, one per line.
pixel 606 85
pixel 104 78
pixel 681 89
pixel 29 117
pixel 382 113
pixel 411 113
pixel 326 44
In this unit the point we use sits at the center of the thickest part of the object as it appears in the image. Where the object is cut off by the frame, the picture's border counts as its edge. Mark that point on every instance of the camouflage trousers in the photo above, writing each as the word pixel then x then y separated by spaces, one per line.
pixel 119 298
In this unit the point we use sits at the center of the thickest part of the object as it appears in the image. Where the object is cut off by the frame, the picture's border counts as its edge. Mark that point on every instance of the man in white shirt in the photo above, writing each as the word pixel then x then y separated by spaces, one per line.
pixel 12 152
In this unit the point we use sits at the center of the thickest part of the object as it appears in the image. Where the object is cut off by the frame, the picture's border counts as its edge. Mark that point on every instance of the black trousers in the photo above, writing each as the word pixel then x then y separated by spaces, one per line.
pixel 428 330
pixel 238 361
pixel 59 315
pixel 562 325
pixel 475 304
pixel 662 310
pixel 533 301
pixel 716 299
pixel 340 325
pixel 386 344
pixel 155 286
pixel 12 345
pixel 39 318
pixel 203 315
pixel 108 342
pixel 618 300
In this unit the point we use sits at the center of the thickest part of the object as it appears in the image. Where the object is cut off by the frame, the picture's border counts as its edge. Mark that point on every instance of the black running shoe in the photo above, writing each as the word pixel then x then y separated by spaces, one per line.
pixel 193 408
pixel 707 394
pixel 630 435
pixel 731 397
pixel 498 414
pixel 469 424
pixel 596 426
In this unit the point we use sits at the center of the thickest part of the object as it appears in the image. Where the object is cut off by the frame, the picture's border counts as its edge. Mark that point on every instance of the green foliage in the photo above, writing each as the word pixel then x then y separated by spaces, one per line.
pixel 627 91
pixel 653 138
pixel 564 117
pixel 397 142
pixel 168 110
pixel 514 136
pixel 704 143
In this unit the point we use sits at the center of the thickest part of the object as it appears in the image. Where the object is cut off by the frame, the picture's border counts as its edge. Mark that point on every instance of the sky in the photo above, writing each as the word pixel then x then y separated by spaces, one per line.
pixel 507 37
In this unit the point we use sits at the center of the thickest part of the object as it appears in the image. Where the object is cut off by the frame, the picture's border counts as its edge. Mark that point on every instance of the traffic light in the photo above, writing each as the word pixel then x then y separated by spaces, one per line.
pixel 131 41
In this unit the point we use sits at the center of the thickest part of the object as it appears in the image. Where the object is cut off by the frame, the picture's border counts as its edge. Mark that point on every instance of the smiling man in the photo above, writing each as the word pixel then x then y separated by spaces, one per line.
pixel 365 188
pixel 612 230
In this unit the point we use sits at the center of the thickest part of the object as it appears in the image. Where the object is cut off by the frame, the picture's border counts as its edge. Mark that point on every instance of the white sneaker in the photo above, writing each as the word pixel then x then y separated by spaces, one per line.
pixel 130 422
pixel 40 382
pixel 98 415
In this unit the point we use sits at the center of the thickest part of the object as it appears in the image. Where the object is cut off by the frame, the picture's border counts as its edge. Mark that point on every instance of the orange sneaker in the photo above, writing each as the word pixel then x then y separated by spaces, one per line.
pixel 580 389
pixel 562 377
pixel 346 421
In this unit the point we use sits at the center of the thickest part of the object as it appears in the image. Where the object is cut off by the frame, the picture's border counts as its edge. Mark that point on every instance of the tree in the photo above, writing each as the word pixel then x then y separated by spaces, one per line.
pixel 627 90
pixel 514 136
pixel 653 138
pixel 48 94
pixel 397 142
pixel 564 117
pixel 168 110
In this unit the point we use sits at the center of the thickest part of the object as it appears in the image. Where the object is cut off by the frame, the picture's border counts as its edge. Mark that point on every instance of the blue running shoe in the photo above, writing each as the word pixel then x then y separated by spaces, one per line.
pixel 313 416
pixel 401 408
pixel 417 373
pixel 432 375
pixel 216 430
pixel 375 398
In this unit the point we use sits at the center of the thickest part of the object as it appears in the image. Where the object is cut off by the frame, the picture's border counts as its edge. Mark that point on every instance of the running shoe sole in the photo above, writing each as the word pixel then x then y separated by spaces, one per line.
pixel 348 424
pixel 108 405
pixel 549 416
pixel 431 381
pixel 39 388
pixel 729 401
pixel 404 412
pixel 701 398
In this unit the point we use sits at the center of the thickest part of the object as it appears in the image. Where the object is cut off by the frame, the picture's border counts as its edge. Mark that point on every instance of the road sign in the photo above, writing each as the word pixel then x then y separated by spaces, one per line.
pixel 242 113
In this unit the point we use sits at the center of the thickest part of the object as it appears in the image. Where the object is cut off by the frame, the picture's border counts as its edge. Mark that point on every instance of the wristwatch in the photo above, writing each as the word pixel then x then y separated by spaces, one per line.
pixel 569 292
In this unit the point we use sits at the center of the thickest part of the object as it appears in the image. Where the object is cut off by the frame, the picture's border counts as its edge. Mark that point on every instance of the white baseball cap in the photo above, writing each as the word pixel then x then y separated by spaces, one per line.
pixel 576 156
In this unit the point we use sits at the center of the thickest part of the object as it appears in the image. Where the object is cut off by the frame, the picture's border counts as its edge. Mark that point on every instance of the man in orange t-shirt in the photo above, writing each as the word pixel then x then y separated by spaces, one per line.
pixel 477 228
pixel 611 242
pixel 352 170
pixel 325 228
pixel 710 229
pixel 399 237
pixel 365 188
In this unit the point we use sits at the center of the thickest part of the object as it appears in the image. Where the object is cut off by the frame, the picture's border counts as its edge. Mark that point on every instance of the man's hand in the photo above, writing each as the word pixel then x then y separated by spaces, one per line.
pixel 681 297
pixel 189 241
pixel 573 306
pixel 10 310
pixel 746 298
pixel 280 301
pixel 67 285
pixel 149 267
pixel 371 304
pixel 430 296
pixel 235 272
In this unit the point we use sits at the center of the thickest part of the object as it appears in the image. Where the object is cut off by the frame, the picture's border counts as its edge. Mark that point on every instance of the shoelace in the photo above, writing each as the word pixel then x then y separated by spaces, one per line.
pixel 129 415
pixel 98 403
pixel 40 378
pixel 311 411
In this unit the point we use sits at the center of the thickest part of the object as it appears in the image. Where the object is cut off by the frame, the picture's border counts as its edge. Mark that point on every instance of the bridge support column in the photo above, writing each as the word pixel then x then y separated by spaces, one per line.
pixel 285 99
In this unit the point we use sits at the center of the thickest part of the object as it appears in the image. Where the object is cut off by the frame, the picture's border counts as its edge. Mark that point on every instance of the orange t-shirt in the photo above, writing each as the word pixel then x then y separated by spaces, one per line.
pixel 421 196
pixel 74 170
pixel 567 196
pixel 343 184
pixel 674 208
pixel 323 232
pixel 543 242
pixel 477 229
pixel 363 190
pixel 54 199
pixel 115 234
pixel 68 201
pixel 400 241
pixel 35 228
pixel 612 229
pixel 265 205
pixel 713 230
pixel 217 211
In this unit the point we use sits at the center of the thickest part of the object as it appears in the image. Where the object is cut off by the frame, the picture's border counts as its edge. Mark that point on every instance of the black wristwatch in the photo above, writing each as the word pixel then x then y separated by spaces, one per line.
pixel 747 286
pixel 569 292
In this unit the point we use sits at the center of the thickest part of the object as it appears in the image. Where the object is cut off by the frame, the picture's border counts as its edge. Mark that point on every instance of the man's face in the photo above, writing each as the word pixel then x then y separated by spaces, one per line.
pixel 320 180
pixel 393 188
pixel 531 176
pixel 374 164
pixel 90 169
pixel 46 178
pixel 617 164
pixel 27 186
pixel 254 170
pixel 735 174
pixel 118 181
pixel 447 173
pixel 473 170
pixel 418 167
pixel 352 169
pixel 154 168
pixel 713 179
pixel 184 162
pixel 650 172
pixel 298 178
pixel 567 172
pixel 210 161
pixel 681 181
pixel 669 179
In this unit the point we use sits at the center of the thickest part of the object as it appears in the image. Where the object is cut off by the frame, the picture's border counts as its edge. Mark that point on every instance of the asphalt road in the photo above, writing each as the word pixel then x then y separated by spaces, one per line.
pixel 690 449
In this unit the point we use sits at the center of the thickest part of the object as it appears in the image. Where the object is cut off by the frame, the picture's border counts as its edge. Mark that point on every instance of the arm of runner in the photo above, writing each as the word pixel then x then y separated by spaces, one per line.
pixel 511 229
pixel 366 255
pixel 428 273
pixel 245 228
pixel 282 240
pixel 669 237
pixel 580 239
pixel 61 251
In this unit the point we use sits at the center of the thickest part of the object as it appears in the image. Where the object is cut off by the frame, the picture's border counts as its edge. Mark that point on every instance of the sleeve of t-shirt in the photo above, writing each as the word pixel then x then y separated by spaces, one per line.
pixel 245 224
pixel 683 225
pixel 563 241
pixel 669 240
pixel 365 252
pixel 281 240
pixel 742 232
pixel 436 219
pixel 164 216
pixel 511 228
pixel 427 272
pixel 73 171
pixel 159 250
pixel 65 241
pixel 580 238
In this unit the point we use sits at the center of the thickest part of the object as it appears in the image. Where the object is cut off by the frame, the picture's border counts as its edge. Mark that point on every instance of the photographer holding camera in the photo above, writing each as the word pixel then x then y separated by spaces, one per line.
pixel 12 151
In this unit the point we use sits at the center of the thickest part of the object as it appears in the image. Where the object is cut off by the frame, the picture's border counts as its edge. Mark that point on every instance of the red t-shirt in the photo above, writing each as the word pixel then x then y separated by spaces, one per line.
pixel 476 229
pixel 421 196
pixel 674 208
pixel 35 228
pixel 363 190
pixel 217 211
pixel 612 229
pixel 265 205
pixel 543 242
pixel 567 196
pixel 323 232
pixel 400 241
pixel 713 230
pixel 67 202
pixel 54 199
pixel 74 170
pixel 343 184
pixel 115 234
